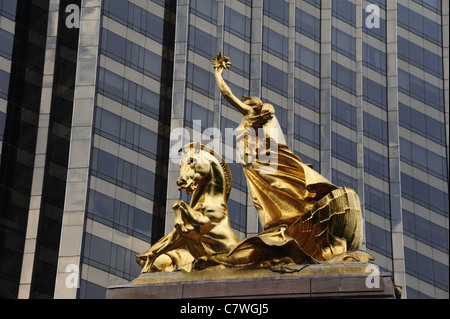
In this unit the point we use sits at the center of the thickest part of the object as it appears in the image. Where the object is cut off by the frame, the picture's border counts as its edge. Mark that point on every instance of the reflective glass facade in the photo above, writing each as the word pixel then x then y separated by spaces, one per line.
pixel 423 97
pixel 86 177
pixel 23 40
pixel 126 201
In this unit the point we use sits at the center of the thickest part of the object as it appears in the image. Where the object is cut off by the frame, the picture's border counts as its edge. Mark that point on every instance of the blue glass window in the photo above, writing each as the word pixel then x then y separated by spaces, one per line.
pixel 343 78
pixel 424 194
pixel 307 95
pixel 98 250
pixel 119 215
pixel 307 24
pixel 4 84
pixel 117 9
pixel 377 33
pixel 316 3
pixel 345 10
pixel 374 58
pixel 239 179
pixel 142 224
pixel 200 80
pixel 418 24
pixel 307 59
pixel 8 9
pixel 274 79
pixel 378 240
pixel 343 149
pixel 154 27
pixel 129 93
pixel 135 18
pixel 107 165
pixel 434 5
pixel 275 43
pixel 246 2
pixel 278 10
pixel 108 123
pixel 131 54
pixel 343 180
pixel 238 215
pixel 7 41
pixel 237 24
pixel 343 43
pixel 205 9
pixel 145 182
pixel 195 112
pixel 148 142
pixel 114 45
pixel 307 131
pixel 377 201
pixel 150 102
pixel 425 231
pixel 374 93
pixel 343 113
pixel 123 173
pixel 420 57
pixel 422 124
pixel 423 159
pixel 201 42
pixel 426 269
pixel 102 206
pixel 421 90
pixel 241 60
pixel 376 164
pixel 109 257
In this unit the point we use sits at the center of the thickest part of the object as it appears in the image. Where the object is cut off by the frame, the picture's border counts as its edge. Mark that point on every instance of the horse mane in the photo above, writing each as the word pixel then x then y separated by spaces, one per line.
pixel 223 165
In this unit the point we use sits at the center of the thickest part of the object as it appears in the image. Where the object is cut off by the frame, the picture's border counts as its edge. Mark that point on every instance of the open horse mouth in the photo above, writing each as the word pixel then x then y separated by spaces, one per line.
pixel 189 187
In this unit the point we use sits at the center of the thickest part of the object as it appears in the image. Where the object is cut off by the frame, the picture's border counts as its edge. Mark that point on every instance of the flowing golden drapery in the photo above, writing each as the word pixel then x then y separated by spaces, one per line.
pixel 281 185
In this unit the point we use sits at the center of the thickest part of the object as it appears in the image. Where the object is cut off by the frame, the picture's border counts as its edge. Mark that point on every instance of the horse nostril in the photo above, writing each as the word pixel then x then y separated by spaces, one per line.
pixel 181 181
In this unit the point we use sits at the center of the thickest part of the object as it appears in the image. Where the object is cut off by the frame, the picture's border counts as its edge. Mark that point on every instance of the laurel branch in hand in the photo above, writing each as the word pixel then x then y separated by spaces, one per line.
pixel 221 62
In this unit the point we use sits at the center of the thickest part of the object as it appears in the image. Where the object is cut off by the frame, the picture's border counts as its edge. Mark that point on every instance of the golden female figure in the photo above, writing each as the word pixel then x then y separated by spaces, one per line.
pixel 290 197
pixel 291 188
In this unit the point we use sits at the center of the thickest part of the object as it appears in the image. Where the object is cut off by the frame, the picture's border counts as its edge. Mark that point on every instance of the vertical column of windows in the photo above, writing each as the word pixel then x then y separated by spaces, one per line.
pixel 307 73
pixel 375 136
pixel 21 78
pixel 130 141
pixel 423 151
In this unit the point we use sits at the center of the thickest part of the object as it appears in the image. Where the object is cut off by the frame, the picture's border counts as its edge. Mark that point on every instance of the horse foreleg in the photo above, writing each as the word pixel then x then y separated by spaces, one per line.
pixel 191 223
pixel 187 214
pixel 180 221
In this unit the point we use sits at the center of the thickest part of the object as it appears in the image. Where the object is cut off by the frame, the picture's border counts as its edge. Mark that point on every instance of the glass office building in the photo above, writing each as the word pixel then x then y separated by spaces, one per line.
pixel 360 88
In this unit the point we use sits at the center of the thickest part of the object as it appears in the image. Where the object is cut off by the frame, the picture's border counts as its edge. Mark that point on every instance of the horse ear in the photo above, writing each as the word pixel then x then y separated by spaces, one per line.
pixel 197 147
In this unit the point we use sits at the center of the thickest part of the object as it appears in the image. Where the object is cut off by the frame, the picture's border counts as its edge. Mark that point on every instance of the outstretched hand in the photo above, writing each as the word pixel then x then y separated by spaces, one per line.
pixel 221 62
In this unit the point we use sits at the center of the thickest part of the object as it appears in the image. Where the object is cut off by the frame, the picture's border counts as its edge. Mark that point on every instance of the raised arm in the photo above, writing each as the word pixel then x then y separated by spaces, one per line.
pixel 221 63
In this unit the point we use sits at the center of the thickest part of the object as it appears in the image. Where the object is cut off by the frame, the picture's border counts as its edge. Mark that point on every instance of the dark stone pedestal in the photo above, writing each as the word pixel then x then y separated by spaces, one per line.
pixel 346 280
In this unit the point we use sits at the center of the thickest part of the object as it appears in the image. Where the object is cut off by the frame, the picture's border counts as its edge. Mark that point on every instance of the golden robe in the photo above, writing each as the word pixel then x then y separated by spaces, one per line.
pixel 282 187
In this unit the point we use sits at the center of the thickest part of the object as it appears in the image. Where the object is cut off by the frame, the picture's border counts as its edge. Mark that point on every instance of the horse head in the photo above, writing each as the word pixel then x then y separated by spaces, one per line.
pixel 192 168
pixel 197 162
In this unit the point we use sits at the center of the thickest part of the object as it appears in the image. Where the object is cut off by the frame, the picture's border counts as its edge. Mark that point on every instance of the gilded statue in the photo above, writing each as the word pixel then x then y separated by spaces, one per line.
pixel 202 228
pixel 324 220
pixel 306 219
